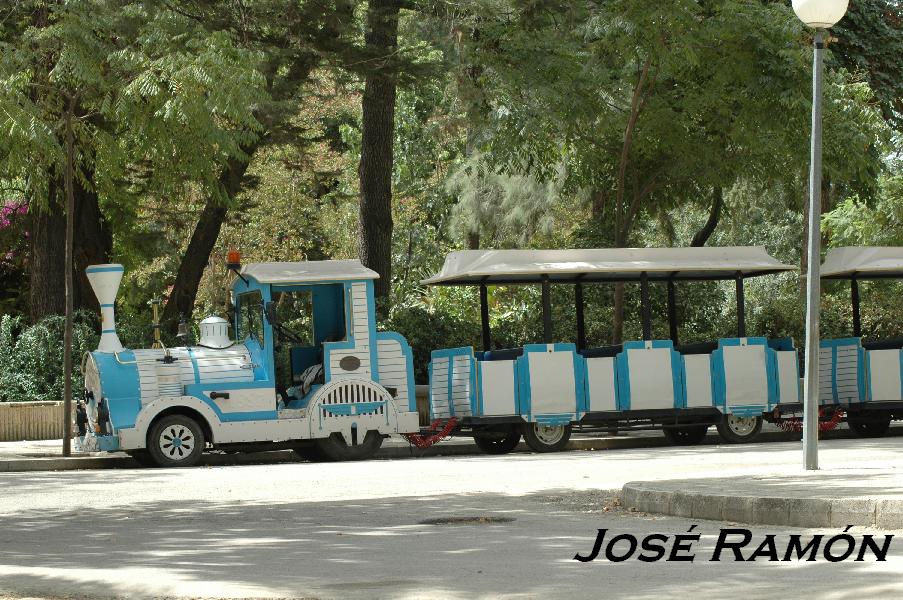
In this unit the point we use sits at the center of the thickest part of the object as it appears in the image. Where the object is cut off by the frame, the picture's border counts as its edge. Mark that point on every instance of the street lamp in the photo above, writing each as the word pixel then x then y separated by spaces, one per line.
pixel 819 14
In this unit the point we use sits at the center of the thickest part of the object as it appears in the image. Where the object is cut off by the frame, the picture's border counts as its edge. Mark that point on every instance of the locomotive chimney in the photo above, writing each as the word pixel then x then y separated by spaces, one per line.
pixel 105 280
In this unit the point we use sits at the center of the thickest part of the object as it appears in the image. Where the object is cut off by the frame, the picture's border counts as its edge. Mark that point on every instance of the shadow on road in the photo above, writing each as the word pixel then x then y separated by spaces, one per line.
pixel 380 549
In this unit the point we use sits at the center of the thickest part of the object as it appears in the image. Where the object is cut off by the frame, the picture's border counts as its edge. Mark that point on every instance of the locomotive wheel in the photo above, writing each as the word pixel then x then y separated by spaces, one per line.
pixel 546 438
pixel 176 441
pixel 869 424
pixel 335 448
pixel 497 441
pixel 688 435
pixel 739 430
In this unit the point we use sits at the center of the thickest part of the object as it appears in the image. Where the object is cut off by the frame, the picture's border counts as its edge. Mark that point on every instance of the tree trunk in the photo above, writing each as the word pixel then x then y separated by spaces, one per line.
pixel 378 130
pixel 47 229
pixel 185 289
pixel 703 235
pixel 93 243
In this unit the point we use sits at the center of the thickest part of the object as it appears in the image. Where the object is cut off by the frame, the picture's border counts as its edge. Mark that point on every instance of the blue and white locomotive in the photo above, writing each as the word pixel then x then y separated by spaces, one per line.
pixel 324 383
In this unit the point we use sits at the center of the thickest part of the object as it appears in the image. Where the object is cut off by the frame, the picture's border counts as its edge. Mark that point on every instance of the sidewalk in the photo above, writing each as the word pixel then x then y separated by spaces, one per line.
pixel 835 497
pixel 46 455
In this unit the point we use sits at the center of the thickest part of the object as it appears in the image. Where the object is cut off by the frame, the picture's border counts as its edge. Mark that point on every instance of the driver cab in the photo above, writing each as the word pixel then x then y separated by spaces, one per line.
pixel 295 317
pixel 303 318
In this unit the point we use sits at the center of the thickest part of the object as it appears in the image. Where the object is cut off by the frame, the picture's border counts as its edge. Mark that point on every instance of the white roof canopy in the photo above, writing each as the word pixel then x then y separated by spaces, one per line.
pixel 308 271
pixel 604 264
pixel 864 262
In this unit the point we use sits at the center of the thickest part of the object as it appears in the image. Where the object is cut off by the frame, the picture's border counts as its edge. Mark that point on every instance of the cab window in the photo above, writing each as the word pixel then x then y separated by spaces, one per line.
pixel 250 320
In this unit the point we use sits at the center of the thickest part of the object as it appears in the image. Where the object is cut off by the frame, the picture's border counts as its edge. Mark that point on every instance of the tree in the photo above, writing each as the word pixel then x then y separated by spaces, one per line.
pixel 159 101
pixel 652 107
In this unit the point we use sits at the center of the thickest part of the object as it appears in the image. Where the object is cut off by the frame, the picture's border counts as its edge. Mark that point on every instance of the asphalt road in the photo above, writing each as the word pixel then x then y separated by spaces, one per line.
pixel 363 530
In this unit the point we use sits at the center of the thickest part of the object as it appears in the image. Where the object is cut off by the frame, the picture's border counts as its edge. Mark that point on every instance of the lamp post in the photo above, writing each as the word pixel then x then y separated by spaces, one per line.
pixel 820 15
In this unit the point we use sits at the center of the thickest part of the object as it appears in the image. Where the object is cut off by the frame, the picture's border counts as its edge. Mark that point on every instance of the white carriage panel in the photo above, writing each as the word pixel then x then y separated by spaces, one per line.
pixel 600 376
pixel 552 382
pixel 439 388
pixel 393 370
pixel 825 376
pixel 497 387
pixel 360 315
pixel 788 378
pixel 846 374
pixel 651 378
pixel 745 375
pixel 884 374
pixel 271 430
pixel 249 400
pixel 698 369
pixel 335 367
pixel 461 385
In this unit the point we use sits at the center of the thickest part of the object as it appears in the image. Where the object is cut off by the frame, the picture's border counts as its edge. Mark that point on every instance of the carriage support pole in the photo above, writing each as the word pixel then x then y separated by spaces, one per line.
pixel 857 320
pixel 741 307
pixel 581 324
pixel 546 310
pixel 484 318
pixel 672 311
pixel 644 298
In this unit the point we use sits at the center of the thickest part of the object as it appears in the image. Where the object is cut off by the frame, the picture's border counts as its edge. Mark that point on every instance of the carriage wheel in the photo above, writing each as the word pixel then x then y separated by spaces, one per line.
pixel 496 440
pixel 546 438
pixel 739 430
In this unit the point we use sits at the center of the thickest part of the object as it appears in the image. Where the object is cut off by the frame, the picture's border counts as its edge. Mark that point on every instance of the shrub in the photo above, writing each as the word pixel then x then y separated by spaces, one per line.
pixel 31 357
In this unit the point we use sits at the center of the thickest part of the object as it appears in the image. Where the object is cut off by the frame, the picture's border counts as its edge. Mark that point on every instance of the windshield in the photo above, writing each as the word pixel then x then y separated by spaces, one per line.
pixel 250 319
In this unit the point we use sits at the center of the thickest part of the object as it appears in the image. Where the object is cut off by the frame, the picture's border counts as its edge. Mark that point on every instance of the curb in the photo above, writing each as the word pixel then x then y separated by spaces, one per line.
pixel 760 510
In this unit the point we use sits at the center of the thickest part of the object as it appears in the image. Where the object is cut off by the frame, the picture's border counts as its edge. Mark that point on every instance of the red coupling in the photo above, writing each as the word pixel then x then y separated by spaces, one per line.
pixel 795 424
pixel 425 440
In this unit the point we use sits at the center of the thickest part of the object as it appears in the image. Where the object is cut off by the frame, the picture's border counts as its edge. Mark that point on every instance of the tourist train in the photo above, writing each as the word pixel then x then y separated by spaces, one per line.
pixel 308 370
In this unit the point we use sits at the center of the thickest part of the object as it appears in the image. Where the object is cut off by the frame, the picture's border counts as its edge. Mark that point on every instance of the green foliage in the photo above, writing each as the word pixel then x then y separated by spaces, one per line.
pixel 31 358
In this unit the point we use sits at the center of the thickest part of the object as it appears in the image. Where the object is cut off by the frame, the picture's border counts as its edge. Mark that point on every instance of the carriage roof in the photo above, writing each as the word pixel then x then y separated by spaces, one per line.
pixel 604 264
pixel 311 271
pixel 864 262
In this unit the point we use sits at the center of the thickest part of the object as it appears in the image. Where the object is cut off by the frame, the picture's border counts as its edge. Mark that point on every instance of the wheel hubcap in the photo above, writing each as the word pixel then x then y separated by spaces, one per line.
pixel 549 434
pixel 742 426
pixel 176 442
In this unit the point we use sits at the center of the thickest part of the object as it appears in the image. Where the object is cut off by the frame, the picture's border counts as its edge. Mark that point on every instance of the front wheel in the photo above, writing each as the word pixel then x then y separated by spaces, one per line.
pixel 739 430
pixel 335 448
pixel 176 441
pixel 689 435
pixel 546 438
pixel 497 441
pixel 871 425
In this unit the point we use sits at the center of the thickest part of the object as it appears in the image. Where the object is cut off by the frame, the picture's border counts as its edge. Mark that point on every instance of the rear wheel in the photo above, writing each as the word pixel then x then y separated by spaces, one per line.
pixel 176 441
pixel 335 448
pixel 546 438
pixel 869 424
pixel 739 430
pixel 688 435
pixel 497 441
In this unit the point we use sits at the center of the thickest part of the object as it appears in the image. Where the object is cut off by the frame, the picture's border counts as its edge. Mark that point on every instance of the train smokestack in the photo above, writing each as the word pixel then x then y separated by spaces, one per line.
pixel 105 280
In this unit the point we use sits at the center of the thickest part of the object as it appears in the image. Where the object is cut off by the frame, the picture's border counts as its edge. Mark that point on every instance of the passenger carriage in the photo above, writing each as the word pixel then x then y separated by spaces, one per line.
pixel 864 377
pixel 542 391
